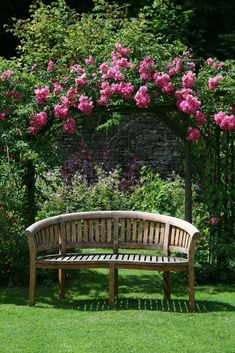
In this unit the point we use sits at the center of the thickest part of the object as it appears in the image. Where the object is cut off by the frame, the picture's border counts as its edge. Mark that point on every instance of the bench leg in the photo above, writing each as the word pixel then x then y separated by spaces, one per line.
pixel 113 284
pixel 166 285
pixel 32 285
pixel 61 280
pixel 191 289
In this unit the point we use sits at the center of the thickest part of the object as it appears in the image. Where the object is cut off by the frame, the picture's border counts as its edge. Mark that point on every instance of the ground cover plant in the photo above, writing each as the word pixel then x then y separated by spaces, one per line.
pixel 142 322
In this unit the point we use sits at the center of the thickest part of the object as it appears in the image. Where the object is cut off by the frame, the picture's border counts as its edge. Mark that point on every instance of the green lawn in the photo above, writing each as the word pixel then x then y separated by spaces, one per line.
pixel 141 323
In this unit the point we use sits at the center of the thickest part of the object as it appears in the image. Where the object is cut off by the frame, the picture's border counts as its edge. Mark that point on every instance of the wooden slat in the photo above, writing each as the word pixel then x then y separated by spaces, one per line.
pixel 140 232
pixel 68 232
pixel 148 258
pixel 162 232
pixel 176 237
pixel 115 235
pixel 47 235
pixel 151 232
pixel 172 238
pixel 183 239
pixel 128 230
pixel 134 231
pixel 187 241
pixel 131 257
pixel 157 233
pixel 166 239
pixel 146 232
pixel 43 237
pixel 62 238
pixel 91 230
pixel 97 230
pixel 103 230
pixel 85 230
pixel 109 230
pixel 74 232
pixel 56 232
pixel 180 237
pixel 123 229
pixel 79 234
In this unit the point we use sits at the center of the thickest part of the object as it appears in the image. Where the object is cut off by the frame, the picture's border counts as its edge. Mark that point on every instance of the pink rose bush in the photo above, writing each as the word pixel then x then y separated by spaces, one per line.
pixel 214 220
pixel 67 92
pixel 42 94
pixel 37 121
pixel 225 122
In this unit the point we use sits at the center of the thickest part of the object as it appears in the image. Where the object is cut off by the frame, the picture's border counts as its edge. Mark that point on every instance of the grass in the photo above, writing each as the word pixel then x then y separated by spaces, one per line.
pixel 141 323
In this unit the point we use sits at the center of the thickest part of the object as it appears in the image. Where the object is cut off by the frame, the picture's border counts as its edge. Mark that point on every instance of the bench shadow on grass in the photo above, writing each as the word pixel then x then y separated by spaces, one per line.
pixel 89 292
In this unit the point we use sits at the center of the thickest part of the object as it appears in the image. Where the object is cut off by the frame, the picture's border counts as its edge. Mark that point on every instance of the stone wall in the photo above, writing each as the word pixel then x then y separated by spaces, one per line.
pixel 140 135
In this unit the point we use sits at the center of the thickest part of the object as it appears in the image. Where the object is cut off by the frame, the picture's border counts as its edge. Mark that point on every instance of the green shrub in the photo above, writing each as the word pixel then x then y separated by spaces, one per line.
pixel 150 194
pixel 13 242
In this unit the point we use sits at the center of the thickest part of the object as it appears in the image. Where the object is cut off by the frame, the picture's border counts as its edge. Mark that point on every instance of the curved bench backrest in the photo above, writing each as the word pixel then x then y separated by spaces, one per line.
pixel 112 229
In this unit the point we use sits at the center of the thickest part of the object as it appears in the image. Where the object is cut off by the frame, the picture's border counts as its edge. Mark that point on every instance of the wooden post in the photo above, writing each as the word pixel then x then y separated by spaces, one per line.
pixel 188 181
pixel 112 284
pixel 166 285
pixel 61 280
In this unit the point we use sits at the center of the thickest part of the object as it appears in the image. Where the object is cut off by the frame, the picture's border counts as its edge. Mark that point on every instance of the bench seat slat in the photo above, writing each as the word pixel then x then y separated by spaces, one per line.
pixel 104 258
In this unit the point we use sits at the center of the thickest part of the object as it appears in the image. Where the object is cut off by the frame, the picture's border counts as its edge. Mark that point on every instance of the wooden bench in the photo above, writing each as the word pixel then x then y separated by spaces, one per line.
pixel 115 230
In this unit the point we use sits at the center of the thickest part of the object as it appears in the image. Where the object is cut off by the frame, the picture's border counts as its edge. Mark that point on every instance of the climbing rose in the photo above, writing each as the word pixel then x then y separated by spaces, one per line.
pixel 61 111
pixel 37 122
pixel 5 75
pixel 175 67
pixel 103 67
pixel 50 65
pixel 216 66
pixel 70 126
pixel 122 51
pixel 42 94
pixel 57 89
pixel 125 89
pixel 213 82
pixel 188 80
pixel 81 80
pixel 193 134
pixel 214 220
pixel 161 79
pixel 168 89
pixel 106 89
pixel 190 104
pixel 191 66
pixel 77 68
pixel 3 116
pixel 210 61
pixel 90 60
pixel 142 98
pixel 114 73
pixel 85 105
pixel 145 69
pixel 34 67
pixel 225 122
pixel 182 93
pixel 200 118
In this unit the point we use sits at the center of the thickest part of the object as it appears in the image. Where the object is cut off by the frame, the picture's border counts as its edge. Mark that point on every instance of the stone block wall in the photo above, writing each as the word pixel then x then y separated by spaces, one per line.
pixel 141 135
